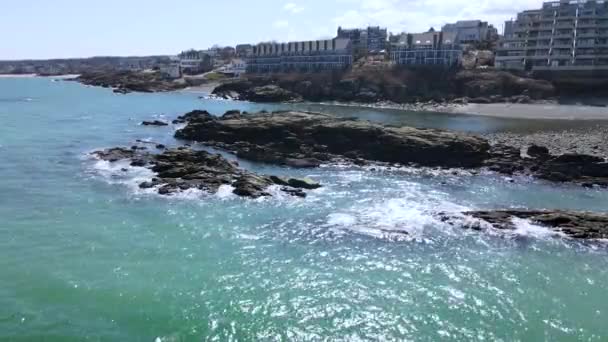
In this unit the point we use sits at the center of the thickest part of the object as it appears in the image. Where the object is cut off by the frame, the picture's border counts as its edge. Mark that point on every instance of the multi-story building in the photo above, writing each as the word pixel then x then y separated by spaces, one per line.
pixel 244 50
pixel 566 35
pixel 471 31
pixel 509 29
pixel 428 48
pixel 371 40
pixel 195 62
pixel 305 56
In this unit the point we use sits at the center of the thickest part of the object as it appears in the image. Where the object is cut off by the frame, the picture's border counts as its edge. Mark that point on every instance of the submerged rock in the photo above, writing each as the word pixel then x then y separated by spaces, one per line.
pixel 578 225
pixel 183 169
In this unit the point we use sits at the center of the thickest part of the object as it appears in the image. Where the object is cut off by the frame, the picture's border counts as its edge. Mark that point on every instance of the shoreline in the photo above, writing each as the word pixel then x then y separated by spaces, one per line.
pixel 531 111
pixel 18 75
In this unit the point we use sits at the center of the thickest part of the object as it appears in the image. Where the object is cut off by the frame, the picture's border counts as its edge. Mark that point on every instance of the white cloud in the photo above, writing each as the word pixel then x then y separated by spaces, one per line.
pixel 420 15
pixel 293 8
pixel 280 24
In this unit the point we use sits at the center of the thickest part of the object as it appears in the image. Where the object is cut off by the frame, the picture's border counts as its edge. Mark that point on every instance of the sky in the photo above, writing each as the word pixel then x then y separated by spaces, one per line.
pixel 41 29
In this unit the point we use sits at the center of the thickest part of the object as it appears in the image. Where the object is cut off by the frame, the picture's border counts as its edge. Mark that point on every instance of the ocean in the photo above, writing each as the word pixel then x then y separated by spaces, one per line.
pixel 85 255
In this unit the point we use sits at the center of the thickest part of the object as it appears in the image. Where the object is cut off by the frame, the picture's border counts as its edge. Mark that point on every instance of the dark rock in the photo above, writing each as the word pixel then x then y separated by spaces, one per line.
pixel 538 151
pixel 270 93
pixel 161 146
pixel 303 183
pixel 195 115
pixel 115 154
pixel 578 225
pixel 290 138
pixel 130 81
pixel 182 169
pixel 154 123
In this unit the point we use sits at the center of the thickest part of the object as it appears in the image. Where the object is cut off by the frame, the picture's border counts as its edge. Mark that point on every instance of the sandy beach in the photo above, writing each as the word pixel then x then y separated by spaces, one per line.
pixel 17 75
pixel 532 111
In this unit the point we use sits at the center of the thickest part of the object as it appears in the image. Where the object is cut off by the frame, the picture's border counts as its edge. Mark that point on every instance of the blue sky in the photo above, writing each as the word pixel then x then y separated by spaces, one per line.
pixel 81 28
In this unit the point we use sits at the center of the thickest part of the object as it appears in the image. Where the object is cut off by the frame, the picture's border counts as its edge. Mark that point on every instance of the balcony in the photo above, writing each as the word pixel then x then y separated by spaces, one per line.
pixel 563 46
pixel 563 36
pixel 510 48
pixel 587 34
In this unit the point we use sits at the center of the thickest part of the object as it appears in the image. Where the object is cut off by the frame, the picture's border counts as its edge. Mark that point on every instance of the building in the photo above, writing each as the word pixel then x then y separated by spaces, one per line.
pixel 236 67
pixel 372 40
pixel 509 29
pixel 305 56
pixel 428 48
pixel 244 50
pixel 172 69
pixel 566 35
pixel 194 62
pixel 471 31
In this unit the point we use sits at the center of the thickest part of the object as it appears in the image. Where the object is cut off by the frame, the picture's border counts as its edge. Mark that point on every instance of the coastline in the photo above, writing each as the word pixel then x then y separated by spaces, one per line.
pixel 533 111
pixel 18 75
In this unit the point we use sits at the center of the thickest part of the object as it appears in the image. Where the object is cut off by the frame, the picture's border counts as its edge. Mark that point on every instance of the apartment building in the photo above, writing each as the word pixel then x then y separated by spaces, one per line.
pixel 471 31
pixel 307 56
pixel 371 40
pixel 428 48
pixel 566 35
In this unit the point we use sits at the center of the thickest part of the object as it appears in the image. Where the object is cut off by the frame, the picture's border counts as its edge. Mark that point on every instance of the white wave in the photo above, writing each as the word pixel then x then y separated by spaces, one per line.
pixel 526 228
pixel 225 192
pixel 121 172
pixel 339 219
pixel 408 215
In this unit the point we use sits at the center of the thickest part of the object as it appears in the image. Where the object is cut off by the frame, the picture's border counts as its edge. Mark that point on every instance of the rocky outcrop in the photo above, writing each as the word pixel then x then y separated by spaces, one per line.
pixel 578 225
pixel 398 85
pixel 586 170
pixel 124 82
pixel 154 123
pixel 302 139
pixel 308 139
pixel 500 84
pixel 182 169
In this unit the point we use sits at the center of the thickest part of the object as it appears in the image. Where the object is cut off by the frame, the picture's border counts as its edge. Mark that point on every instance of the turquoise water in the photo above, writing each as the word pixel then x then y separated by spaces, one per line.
pixel 85 255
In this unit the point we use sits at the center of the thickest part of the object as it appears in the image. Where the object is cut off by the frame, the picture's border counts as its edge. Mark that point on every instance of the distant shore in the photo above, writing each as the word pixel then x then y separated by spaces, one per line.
pixel 17 75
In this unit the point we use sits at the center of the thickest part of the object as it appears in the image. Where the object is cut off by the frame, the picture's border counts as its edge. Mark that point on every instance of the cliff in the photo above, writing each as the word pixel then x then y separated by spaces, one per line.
pixel 396 84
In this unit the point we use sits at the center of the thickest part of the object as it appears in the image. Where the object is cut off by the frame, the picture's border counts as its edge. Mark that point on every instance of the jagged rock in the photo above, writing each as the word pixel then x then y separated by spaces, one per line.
pixel 115 154
pixel 182 169
pixel 195 115
pixel 578 225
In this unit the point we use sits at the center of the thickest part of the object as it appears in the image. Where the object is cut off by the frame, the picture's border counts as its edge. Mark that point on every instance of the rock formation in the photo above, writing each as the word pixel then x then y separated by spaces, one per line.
pixel 182 169
pixel 308 139
pixel 302 139
pixel 578 225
